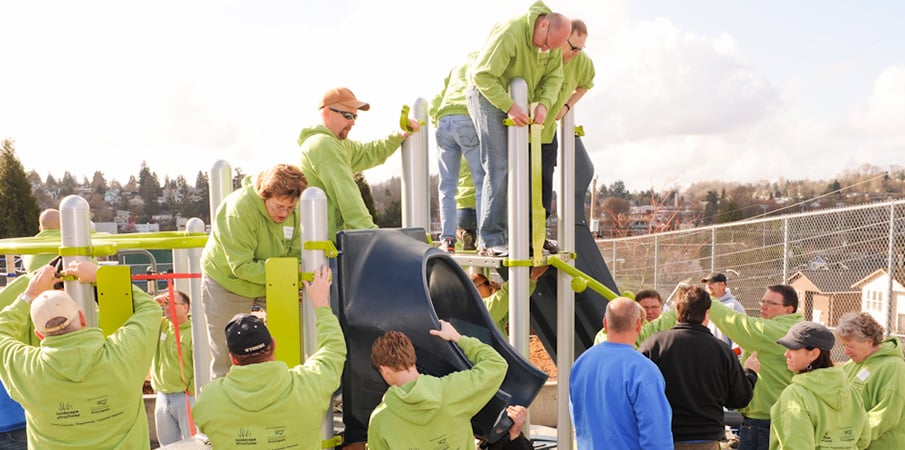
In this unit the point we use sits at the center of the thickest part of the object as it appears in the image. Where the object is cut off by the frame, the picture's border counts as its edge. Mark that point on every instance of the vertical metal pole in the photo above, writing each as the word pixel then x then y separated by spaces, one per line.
pixel 415 179
pixel 891 322
pixel 181 265
pixel 712 248
pixel 314 228
pixel 201 347
pixel 656 261
pixel 785 249
pixel 565 306
pixel 75 231
pixel 220 184
pixel 518 223
pixel 613 269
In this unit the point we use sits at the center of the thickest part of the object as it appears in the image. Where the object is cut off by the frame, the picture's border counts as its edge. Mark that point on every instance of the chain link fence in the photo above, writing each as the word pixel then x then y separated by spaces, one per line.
pixel 838 260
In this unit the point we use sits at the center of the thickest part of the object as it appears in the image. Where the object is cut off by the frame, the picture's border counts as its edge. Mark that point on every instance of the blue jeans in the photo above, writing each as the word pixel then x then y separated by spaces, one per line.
pixel 494 137
pixel 457 138
pixel 754 434
pixel 172 417
pixel 467 219
pixel 13 440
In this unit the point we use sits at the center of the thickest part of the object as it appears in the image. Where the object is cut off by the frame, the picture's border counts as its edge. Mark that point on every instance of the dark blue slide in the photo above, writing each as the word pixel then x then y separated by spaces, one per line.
pixel 393 280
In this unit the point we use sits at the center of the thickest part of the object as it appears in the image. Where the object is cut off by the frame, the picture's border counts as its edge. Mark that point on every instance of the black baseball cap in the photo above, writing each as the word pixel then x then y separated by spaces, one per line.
pixel 714 277
pixel 246 334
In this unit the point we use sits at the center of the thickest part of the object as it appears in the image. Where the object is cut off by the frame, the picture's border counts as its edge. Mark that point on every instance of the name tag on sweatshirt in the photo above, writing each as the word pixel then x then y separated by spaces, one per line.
pixel 863 374
pixel 287 232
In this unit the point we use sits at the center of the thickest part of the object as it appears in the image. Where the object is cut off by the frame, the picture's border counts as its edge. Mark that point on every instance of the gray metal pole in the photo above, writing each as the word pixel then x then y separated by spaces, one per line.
pixel 519 205
pixel 565 314
pixel 220 183
pixel 201 347
pixel 785 249
pixel 314 228
pixel 415 176
pixel 75 231
pixel 891 308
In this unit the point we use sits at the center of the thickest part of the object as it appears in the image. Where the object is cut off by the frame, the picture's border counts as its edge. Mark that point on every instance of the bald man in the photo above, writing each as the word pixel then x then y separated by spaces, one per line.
pixel 48 229
pixel 616 395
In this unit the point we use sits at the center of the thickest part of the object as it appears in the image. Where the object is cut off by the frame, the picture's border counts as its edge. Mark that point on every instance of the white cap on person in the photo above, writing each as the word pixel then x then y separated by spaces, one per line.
pixel 51 305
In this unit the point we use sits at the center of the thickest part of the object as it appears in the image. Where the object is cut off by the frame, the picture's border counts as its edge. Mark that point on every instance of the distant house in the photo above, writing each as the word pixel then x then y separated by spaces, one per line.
pixel 825 294
pixel 875 299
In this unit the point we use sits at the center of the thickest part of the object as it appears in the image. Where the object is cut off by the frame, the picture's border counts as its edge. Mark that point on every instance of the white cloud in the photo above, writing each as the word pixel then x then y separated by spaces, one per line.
pixel 883 113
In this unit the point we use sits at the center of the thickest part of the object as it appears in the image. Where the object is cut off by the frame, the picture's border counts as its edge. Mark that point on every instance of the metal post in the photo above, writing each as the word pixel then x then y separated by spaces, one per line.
pixel 518 223
pixel 181 265
pixel 656 261
pixel 565 309
pixel 201 347
pixel 713 249
pixel 314 228
pixel 785 249
pixel 220 184
pixel 415 186
pixel 75 231
pixel 891 322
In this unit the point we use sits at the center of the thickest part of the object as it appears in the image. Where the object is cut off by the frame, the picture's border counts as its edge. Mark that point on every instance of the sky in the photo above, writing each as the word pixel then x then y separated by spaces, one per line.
pixel 685 91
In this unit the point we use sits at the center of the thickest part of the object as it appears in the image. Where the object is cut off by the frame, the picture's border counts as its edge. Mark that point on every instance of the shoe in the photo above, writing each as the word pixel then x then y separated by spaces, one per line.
pixel 497 251
pixel 467 238
pixel 551 246
pixel 448 245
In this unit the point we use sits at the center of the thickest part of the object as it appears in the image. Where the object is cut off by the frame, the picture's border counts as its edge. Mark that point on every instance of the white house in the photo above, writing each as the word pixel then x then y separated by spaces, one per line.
pixel 875 299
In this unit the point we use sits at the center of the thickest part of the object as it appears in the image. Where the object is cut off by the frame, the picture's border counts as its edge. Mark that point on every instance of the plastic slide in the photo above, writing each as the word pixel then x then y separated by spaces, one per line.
pixel 393 280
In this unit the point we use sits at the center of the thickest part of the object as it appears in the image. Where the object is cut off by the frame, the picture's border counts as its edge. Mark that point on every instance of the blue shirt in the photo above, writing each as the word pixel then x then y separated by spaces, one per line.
pixel 12 416
pixel 618 400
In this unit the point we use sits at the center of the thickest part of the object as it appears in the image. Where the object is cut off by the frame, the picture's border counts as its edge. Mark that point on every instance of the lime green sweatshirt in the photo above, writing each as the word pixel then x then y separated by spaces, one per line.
pixel 242 237
pixel 451 99
pixel 498 305
pixel 432 412
pixel 509 53
pixel 80 389
pixel 268 405
pixel 34 262
pixel 330 164
pixel 165 374
pixel 819 410
pixel 577 73
pixel 880 380
pixel 755 334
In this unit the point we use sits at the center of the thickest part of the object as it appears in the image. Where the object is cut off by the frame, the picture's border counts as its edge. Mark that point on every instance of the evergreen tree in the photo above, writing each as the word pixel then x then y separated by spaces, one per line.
pixel 711 208
pixel 365 191
pixel 149 190
pixel 203 191
pixel 18 206
pixel 68 184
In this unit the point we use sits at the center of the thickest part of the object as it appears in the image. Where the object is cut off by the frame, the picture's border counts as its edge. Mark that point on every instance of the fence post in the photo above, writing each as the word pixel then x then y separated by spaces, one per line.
pixel 891 315
pixel 785 249
pixel 713 249
pixel 656 261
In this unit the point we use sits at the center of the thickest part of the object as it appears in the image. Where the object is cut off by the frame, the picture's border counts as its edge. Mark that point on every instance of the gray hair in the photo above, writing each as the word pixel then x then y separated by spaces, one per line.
pixel 860 326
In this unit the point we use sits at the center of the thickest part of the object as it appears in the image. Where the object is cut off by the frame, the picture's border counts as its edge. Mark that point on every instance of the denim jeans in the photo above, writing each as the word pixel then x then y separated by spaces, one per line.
pixel 172 417
pixel 467 219
pixel 220 305
pixel 457 138
pixel 13 440
pixel 494 137
pixel 754 434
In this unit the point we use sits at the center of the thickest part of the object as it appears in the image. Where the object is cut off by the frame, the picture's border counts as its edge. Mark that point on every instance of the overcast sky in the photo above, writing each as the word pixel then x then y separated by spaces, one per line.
pixel 685 91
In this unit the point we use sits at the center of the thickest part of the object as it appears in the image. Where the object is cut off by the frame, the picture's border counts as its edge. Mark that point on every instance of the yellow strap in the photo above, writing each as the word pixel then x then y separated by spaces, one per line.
pixel 283 316
pixel 518 262
pixel 538 217
pixel 327 246
pixel 104 249
pixel 579 130
pixel 335 441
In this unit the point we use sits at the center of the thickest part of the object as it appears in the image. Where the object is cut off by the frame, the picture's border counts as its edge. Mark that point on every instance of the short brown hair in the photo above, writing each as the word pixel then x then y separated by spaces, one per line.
pixel 281 180
pixel 648 293
pixel 692 303
pixel 179 293
pixel 579 28
pixel 394 350
pixel 261 356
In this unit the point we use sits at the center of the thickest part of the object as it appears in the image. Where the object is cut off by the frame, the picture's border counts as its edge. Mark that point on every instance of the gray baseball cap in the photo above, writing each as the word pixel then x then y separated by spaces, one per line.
pixel 808 335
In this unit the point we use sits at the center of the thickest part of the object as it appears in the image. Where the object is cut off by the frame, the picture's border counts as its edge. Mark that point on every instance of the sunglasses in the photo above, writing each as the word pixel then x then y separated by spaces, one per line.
pixel 346 115
pixel 574 48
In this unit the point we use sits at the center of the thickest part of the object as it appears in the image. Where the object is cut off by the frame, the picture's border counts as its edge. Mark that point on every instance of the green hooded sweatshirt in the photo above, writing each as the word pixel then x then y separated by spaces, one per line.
pixel 8 295
pixel 80 389
pixel 509 53
pixel 166 376
pixel 450 100
pixel 498 305
pixel 432 412
pixel 577 73
pixel 880 379
pixel 666 321
pixel 819 410
pixel 267 405
pixel 755 334
pixel 242 237
pixel 330 164
pixel 34 262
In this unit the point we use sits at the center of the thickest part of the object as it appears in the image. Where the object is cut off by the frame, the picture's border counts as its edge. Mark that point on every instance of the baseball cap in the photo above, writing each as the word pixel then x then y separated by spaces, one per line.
pixel 50 305
pixel 714 277
pixel 808 335
pixel 246 334
pixel 342 97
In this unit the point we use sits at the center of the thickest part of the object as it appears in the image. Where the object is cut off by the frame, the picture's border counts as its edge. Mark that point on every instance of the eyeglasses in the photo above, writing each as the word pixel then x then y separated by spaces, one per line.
pixel 346 114
pixel 281 208
pixel 766 303
pixel 574 48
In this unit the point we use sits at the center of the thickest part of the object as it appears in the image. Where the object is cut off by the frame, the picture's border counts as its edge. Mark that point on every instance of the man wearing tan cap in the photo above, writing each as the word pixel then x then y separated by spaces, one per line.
pixel 79 389
pixel 330 160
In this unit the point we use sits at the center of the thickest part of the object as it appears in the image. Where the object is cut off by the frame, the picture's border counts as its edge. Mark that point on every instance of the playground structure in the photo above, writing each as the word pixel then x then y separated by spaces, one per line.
pixel 438 280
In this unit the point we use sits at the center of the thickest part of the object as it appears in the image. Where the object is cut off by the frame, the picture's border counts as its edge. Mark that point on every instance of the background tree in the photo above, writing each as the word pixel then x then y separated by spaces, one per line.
pixel 150 192
pixel 202 201
pixel 365 191
pixel 68 185
pixel 18 206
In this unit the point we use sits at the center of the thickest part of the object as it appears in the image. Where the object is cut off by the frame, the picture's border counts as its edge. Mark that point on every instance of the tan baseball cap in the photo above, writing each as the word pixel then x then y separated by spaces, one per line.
pixel 342 97
pixel 52 305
